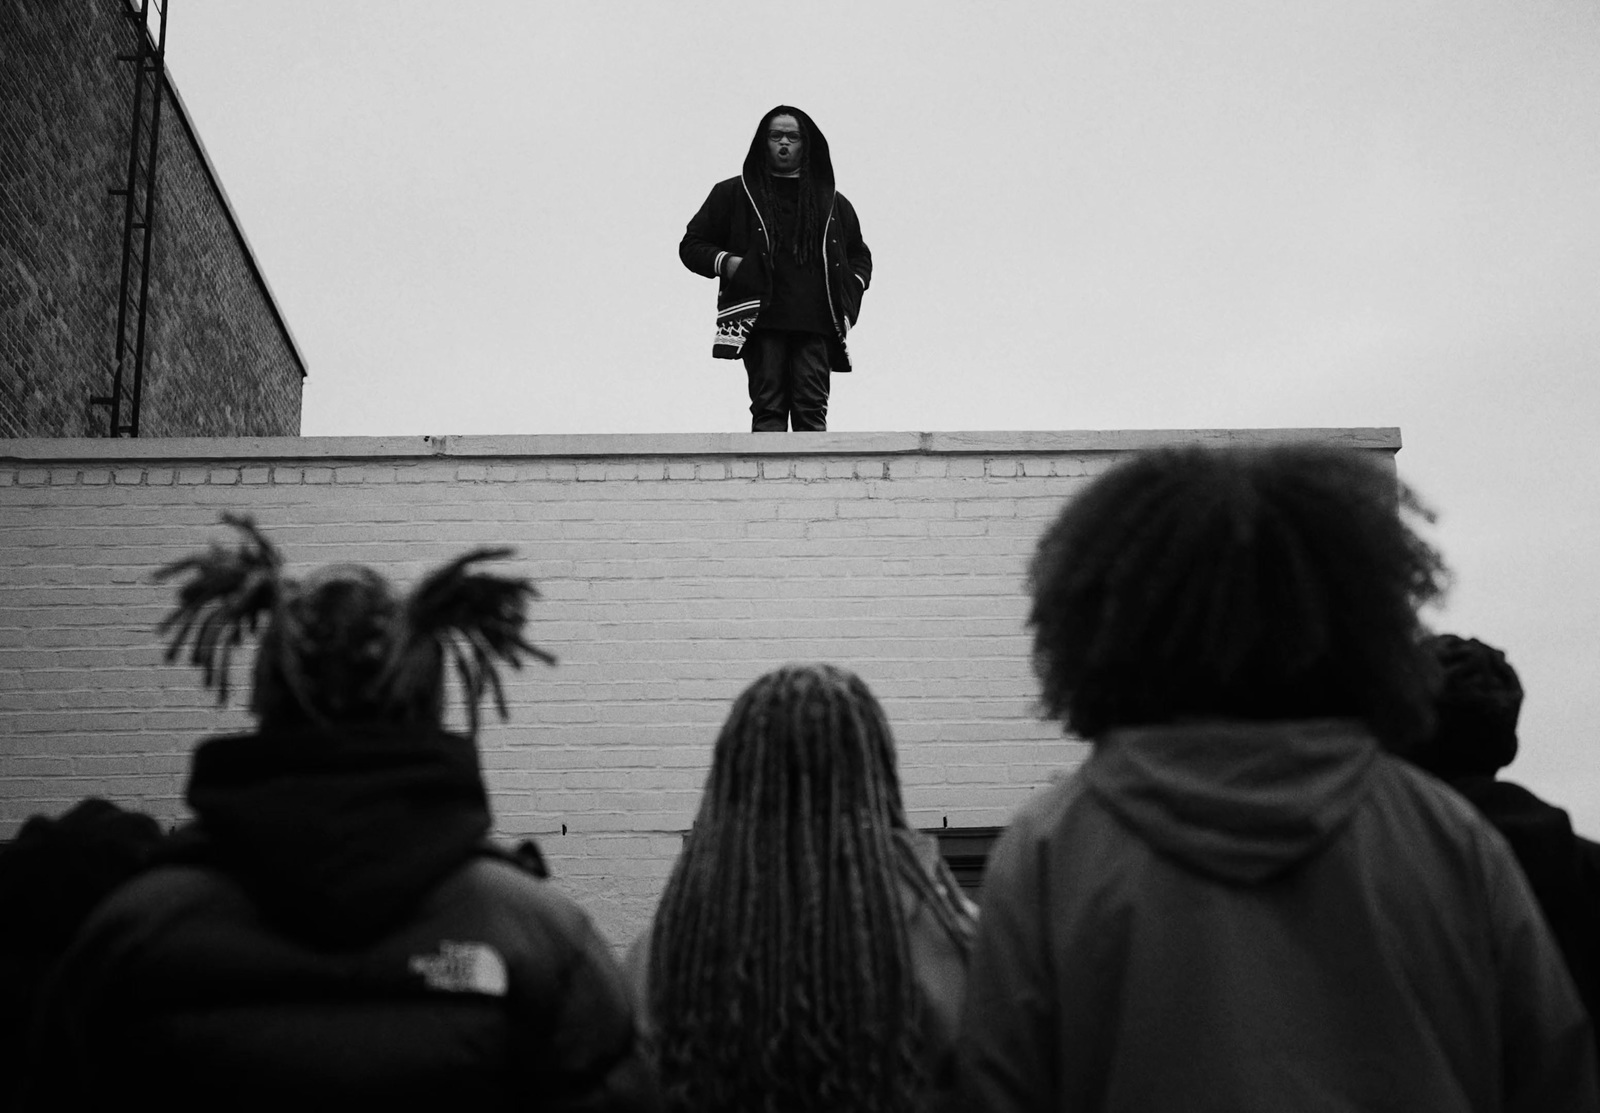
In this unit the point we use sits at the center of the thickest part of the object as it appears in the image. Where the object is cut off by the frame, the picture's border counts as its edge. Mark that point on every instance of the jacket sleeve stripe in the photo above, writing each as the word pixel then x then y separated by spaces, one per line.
pixel 744 307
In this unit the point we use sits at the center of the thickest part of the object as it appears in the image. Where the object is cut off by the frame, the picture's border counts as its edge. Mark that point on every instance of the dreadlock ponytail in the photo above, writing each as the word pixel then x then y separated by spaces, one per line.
pixel 226 593
pixel 342 647
pixel 474 618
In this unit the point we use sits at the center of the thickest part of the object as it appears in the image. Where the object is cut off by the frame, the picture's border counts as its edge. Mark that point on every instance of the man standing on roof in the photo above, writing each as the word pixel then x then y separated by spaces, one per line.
pixel 787 248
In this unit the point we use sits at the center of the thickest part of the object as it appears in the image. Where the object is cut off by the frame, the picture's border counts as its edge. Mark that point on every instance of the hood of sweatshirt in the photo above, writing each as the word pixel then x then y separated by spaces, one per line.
pixel 819 162
pixel 337 834
pixel 1238 801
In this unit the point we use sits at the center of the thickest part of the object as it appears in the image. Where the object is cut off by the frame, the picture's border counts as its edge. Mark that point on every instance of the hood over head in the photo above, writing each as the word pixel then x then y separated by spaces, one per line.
pixel 337 834
pixel 1238 801
pixel 818 164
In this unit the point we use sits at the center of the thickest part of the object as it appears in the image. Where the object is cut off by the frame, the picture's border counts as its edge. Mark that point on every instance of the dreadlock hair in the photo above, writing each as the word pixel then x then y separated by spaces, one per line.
pixel 1258 583
pixel 801 235
pixel 780 972
pixel 343 647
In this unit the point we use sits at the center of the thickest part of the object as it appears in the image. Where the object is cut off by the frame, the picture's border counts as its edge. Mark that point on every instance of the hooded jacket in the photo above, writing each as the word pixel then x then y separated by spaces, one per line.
pixel 52 874
pixel 335 932
pixel 1263 916
pixel 1562 868
pixel 732 222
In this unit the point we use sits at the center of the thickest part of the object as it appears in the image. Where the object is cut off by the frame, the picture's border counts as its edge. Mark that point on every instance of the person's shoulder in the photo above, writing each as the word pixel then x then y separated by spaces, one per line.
pixel 1419 804
pixel 722 198
pixel 1041 819
pixel 513 884
pixel 1435 821
pixel 555 957
pixel 1048 808
pixel 166 892
pixel 536 904
pixel 1425 795
pixel 146 914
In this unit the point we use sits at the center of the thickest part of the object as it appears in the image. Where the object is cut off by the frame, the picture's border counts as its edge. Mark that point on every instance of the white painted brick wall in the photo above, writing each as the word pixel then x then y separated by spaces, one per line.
pixel 673 569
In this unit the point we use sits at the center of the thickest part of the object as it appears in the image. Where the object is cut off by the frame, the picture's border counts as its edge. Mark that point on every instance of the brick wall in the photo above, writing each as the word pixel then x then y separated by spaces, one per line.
pixel 219 360
pixel 674 570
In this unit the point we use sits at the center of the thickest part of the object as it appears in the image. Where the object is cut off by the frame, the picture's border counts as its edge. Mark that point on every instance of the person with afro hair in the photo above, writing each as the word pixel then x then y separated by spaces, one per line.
pixel 334 929
pixel 1474 737
pixel 1242 900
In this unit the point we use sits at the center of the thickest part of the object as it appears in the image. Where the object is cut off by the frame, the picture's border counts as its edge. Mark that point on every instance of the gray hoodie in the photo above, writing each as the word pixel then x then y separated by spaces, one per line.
pixel 1263 916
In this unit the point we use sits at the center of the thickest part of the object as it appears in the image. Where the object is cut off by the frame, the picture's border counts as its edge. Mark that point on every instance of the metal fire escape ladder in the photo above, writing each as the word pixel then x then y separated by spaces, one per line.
pixel 138 216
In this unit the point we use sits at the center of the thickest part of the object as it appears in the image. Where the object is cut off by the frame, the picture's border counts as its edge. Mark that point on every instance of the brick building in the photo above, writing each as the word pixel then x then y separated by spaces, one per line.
pixel 219 359
pixel 672 569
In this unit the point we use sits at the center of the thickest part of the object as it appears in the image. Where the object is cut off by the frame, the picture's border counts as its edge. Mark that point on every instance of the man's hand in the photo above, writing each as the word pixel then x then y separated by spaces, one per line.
pixel 731 264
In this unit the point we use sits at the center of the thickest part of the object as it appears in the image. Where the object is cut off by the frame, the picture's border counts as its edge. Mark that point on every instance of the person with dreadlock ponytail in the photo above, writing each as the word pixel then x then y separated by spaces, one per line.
pixel 786 247
pixel 809 952
pixel 1244 899
pixel 334 930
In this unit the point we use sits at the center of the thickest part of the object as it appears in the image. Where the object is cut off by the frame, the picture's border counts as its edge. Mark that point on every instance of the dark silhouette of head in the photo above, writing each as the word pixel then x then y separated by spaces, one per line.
pixel 1476 709
pixel 54 872
pixel 1256 583
pixel 780 974
pixel 344 646
pixel 52 876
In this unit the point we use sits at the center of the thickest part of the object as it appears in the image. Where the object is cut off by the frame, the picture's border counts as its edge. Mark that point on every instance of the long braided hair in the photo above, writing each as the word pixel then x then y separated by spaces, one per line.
pixel 780 972
pixel 801 233
pixel 343 646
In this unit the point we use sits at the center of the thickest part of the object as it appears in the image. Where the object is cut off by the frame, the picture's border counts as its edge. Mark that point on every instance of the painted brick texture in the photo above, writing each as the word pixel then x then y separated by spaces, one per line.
pixel 673 570
pixel 219 361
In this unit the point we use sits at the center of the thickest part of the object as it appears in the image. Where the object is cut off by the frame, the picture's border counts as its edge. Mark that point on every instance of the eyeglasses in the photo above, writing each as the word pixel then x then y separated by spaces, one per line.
pixel 780 136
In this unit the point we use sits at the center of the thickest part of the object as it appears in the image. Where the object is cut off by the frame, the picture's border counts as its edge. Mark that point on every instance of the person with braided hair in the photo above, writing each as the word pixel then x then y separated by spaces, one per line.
pixel 809 952
pixel 334 930
pixel 1244 899
pixel 786 247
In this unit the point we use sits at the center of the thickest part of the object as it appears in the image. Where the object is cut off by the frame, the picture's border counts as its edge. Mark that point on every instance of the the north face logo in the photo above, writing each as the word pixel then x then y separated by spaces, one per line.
pixel 463 968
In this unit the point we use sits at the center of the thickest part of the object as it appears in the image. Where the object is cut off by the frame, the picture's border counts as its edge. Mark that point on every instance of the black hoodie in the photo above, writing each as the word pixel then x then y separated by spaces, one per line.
pixel 1562 868
pixel 334 931
pixel 732 222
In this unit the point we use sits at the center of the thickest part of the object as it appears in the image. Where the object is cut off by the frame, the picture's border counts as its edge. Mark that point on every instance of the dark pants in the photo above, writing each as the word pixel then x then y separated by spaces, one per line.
pixel 788 374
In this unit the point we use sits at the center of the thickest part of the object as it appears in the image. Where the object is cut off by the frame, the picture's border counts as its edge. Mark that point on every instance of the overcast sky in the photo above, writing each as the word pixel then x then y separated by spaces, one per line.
pixel 1105 215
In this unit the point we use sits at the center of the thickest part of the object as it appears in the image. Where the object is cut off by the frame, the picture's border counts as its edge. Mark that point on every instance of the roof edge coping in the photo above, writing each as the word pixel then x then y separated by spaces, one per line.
pixel 580 445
